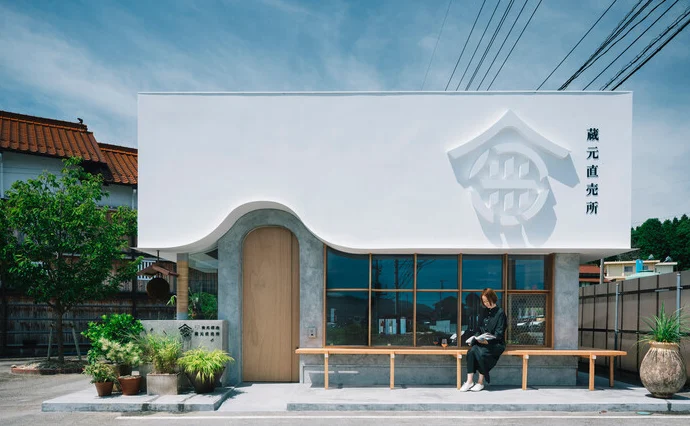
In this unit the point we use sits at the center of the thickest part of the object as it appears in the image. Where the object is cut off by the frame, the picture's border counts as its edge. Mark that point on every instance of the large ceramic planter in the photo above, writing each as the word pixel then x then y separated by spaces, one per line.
pixel 104 388
pixel 663 370
pixel 162 384
pixel 129 384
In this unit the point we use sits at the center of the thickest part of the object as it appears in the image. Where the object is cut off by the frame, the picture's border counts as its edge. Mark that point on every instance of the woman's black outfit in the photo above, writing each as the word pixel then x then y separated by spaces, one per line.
pixel 481 357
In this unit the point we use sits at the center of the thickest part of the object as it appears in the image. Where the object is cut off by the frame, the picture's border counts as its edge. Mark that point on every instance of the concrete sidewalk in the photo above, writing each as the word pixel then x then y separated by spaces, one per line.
pixel 282 397
pixel 298 397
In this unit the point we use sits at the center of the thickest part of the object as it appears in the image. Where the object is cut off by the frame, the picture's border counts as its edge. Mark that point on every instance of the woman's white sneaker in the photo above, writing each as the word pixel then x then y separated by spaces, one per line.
pixel 466 386
pixel 478 387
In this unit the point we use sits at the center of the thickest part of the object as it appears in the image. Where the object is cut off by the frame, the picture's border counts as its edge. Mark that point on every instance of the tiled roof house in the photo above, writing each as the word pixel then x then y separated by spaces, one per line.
pixel 30 145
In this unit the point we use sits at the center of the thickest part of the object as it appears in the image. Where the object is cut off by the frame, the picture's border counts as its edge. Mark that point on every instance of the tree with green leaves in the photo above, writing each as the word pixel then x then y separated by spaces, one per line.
pixel 66 249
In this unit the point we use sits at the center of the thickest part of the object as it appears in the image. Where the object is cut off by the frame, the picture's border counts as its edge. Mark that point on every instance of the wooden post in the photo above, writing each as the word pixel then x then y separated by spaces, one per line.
pixel 611 371
pixel 182 286
pixel 459 369
pixel 592 358
pixel 525 359
pixel 325 371
pixel 392 370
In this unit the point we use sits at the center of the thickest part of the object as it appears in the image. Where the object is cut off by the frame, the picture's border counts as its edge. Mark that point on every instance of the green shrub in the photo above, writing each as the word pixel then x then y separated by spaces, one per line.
pixel 100 372
pixel 120 353
pixel 165 351
pixel 121 328
pixel 204 364
pixel 666 328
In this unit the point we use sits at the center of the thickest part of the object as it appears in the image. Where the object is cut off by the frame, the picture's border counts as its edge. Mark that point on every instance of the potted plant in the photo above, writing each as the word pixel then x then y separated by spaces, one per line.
pixel 103 376
pixel 164 378
pixel 146 343
pixel 662 370
pixel 125 356
pixel 204 368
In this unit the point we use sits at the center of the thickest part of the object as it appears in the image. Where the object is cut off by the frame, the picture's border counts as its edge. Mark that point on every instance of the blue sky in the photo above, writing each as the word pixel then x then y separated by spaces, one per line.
pixel 68 59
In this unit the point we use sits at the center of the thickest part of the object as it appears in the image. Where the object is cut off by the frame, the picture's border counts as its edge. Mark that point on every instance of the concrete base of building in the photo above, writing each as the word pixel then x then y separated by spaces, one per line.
pixel 368 370
pixel 89 401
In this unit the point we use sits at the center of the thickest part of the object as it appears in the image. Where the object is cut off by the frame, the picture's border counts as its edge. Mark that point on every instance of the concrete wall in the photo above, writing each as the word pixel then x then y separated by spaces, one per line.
pixel 230 281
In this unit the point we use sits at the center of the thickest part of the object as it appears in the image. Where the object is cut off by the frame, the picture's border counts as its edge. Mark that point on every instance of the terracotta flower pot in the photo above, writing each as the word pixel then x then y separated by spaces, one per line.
pixel 662 370
pixel 104 388
pixel 129 384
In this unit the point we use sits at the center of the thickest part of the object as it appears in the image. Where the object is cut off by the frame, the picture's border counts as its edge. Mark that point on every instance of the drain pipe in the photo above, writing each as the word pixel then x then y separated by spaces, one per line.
pixel 134 198
pixel 678 290
pixel 2 178
pixel 615 325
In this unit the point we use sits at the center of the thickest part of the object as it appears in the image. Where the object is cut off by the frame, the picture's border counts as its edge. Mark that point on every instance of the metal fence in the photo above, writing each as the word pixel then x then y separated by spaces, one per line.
pixel 611 315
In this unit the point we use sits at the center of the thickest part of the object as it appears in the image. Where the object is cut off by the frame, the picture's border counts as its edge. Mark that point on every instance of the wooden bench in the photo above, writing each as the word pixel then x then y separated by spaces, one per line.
pixel 458 354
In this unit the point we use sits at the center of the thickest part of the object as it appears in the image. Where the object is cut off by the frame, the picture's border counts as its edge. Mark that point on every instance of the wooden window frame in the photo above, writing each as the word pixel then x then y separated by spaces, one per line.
pixel 549 265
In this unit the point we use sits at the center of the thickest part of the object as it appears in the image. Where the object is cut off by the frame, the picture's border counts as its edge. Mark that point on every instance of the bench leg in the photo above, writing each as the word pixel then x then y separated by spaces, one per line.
pixel 525 359
pixel 611 371
pixel 325 371
pixel 592 358
pixel 459 369
pixel 392 371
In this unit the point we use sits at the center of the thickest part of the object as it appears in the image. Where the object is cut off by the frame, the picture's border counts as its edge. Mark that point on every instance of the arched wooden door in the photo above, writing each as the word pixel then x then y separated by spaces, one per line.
pixel 270 306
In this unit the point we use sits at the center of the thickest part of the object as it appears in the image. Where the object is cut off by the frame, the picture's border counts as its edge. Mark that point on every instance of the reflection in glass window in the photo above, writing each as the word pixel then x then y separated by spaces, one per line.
pixel 526 319
pixel 473 313
pixel 392 272
pixel 480 272
pixel 437 318
pixel 437 272
pixel 526 273
pixel 346 318
pixel 392 315
pixel 347 270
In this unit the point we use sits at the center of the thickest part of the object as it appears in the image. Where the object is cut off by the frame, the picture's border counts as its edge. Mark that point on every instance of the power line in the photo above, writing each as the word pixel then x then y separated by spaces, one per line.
pixel 491 42
pixel 491 18
pixel 515 44
pixel 502 44
pixel 602 54
pixel 463 47
pixel 649 46
pixel 652 55
pixel 436 45
pixel 578 43
pixel 612 35
pixel 630 45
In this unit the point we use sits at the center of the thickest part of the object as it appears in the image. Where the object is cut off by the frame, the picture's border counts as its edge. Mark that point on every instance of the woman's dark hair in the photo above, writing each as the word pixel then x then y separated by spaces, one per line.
pixel 490 295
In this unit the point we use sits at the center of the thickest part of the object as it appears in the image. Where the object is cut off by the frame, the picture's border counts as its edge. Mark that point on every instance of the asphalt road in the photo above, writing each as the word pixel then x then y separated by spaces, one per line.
pixel 21 397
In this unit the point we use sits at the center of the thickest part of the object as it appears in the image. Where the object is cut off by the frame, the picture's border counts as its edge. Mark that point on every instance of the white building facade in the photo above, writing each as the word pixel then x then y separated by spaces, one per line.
pixel 376 219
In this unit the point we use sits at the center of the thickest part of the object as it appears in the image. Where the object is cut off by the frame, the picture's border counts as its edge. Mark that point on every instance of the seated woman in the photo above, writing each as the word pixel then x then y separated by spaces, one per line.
pixel 484 353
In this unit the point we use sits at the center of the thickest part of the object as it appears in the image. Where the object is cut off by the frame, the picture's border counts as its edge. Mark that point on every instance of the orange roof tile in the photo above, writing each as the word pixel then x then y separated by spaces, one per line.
pixel 48 137
pixel 122 163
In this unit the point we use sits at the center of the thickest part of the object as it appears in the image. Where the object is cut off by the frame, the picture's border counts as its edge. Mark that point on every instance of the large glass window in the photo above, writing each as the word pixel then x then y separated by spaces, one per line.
pixel 346 318
pixel 526 273
pixel 528 301
pixel 437 318
pixel 437 272
pixel 480 272
pixel 347 270
pixel 392 272
pixel 392 316
pixel 421 300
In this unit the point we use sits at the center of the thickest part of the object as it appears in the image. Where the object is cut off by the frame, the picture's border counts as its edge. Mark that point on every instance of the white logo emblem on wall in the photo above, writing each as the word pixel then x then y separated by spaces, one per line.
pixel 506 170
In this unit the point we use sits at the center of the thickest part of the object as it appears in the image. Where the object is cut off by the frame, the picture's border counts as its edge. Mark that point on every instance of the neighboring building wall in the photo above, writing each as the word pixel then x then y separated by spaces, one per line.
pixel 23 167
